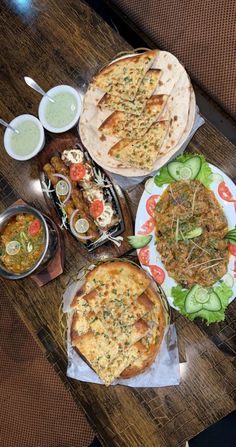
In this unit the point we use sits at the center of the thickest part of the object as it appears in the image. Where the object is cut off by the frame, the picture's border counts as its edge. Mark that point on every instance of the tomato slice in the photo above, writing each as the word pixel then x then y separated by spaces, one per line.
pixel 151 204
pixel 77 171
pixel 96 208
pixel 157 273
pixel 147 227
pixel 225 193
pixel 34 227
pixel 232 249
pixel 144 255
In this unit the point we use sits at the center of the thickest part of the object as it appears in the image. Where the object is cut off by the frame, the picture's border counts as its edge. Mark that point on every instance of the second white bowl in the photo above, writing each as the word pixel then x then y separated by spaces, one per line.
pixel 64 113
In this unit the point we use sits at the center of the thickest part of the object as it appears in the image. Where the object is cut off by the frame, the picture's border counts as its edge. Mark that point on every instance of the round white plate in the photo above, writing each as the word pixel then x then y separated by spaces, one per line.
pixel 149 257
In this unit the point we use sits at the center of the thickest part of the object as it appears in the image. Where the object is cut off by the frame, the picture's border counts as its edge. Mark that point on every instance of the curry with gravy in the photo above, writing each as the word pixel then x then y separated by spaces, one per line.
pixel 21 243
pixel 190 229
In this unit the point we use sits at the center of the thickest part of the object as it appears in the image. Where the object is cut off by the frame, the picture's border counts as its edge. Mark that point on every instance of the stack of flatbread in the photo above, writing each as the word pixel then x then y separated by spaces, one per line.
pixel 118 321
pixel 137 113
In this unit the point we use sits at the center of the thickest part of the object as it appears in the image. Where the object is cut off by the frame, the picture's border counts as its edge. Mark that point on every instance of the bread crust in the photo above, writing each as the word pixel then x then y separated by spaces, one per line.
pixel 150 356
pixel 135 59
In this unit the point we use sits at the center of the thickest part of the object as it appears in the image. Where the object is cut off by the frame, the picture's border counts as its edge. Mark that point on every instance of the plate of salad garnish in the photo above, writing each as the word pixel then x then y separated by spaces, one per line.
pixel 185 236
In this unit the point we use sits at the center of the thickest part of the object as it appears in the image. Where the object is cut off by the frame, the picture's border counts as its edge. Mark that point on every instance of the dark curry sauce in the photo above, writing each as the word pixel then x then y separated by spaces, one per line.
pixel 190 230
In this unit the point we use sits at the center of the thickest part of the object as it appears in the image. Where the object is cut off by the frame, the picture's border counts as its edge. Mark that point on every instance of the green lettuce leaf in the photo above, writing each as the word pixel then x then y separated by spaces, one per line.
pixel 204 176
pixel 163 177
pixel 222 290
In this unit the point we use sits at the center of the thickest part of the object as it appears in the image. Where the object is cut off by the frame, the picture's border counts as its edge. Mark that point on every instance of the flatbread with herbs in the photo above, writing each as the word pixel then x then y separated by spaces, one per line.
pixel 129 344
pixel 123 77
pixel 145 91
pixel 143 152
pixel 124 125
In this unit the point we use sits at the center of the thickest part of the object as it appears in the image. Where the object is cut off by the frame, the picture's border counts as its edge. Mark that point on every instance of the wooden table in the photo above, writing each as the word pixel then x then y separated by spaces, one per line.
pixel 62 41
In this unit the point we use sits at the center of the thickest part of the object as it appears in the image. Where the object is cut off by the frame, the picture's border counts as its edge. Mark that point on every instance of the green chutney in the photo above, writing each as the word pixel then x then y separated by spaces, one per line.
pixel 25 142
pixel 60 113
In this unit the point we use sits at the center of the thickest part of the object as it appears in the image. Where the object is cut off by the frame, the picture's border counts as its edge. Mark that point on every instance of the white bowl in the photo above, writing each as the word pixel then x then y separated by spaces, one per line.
pixel 44 102
pixel 8 134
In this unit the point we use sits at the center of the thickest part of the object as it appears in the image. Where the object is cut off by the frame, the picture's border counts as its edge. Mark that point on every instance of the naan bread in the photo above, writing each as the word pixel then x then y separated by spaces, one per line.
pixel 141 153
pixel 178 112
pixel 118 312
pixel 183 106
pixel 155 318
pixel 145 91
pixel 123 77
pixel 123 125
pixel 129 344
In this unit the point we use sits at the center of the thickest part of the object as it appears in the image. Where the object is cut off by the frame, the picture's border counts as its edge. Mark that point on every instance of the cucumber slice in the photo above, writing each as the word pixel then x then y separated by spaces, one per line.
pixel 231 236
pixel 193 233
pixel 194 164
pixel 201 295
pixel 217 178
pixel 139 241
pixel 213 304
pixel 185 173
pixel 231 240
pixel 149 185
pixel 191 304
pixel 187 170
pixel 229 280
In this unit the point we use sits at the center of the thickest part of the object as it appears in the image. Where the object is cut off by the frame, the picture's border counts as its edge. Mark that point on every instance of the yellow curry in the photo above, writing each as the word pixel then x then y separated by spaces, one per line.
pixel 21 243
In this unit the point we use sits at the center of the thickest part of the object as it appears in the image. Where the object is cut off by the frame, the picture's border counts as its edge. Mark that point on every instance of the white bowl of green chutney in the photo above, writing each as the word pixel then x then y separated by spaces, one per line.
pixel 29 140
pixel 62 114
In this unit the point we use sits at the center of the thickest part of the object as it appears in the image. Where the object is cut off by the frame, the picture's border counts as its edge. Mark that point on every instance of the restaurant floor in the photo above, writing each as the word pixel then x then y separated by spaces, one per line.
pixel 36 409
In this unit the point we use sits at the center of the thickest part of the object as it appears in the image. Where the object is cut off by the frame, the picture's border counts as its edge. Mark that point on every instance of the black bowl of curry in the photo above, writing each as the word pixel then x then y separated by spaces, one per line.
pixel 24 242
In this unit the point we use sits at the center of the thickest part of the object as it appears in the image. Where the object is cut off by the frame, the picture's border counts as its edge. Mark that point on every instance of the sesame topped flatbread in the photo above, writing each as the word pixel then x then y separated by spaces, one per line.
pixel 124 125
pixel 123 77
pixel 145 90
pixel 141 153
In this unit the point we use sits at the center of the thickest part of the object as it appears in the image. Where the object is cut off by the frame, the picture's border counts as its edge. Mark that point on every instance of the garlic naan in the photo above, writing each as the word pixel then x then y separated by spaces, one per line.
pixel 123 77
pixel 124 125
pixel 145 91
pixel 141 153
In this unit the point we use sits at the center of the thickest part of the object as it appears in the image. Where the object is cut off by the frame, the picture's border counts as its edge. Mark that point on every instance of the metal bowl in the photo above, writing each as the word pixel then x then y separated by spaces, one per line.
pixel 50 240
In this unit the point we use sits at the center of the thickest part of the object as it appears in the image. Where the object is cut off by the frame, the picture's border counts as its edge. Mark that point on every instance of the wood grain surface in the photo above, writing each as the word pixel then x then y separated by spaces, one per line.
pixel 62 41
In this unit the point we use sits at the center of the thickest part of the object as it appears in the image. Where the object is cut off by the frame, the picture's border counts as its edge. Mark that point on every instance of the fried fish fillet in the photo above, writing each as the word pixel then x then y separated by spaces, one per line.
pixel 145 91
pixel 123 77
pixel 125 125
pixel 141 153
